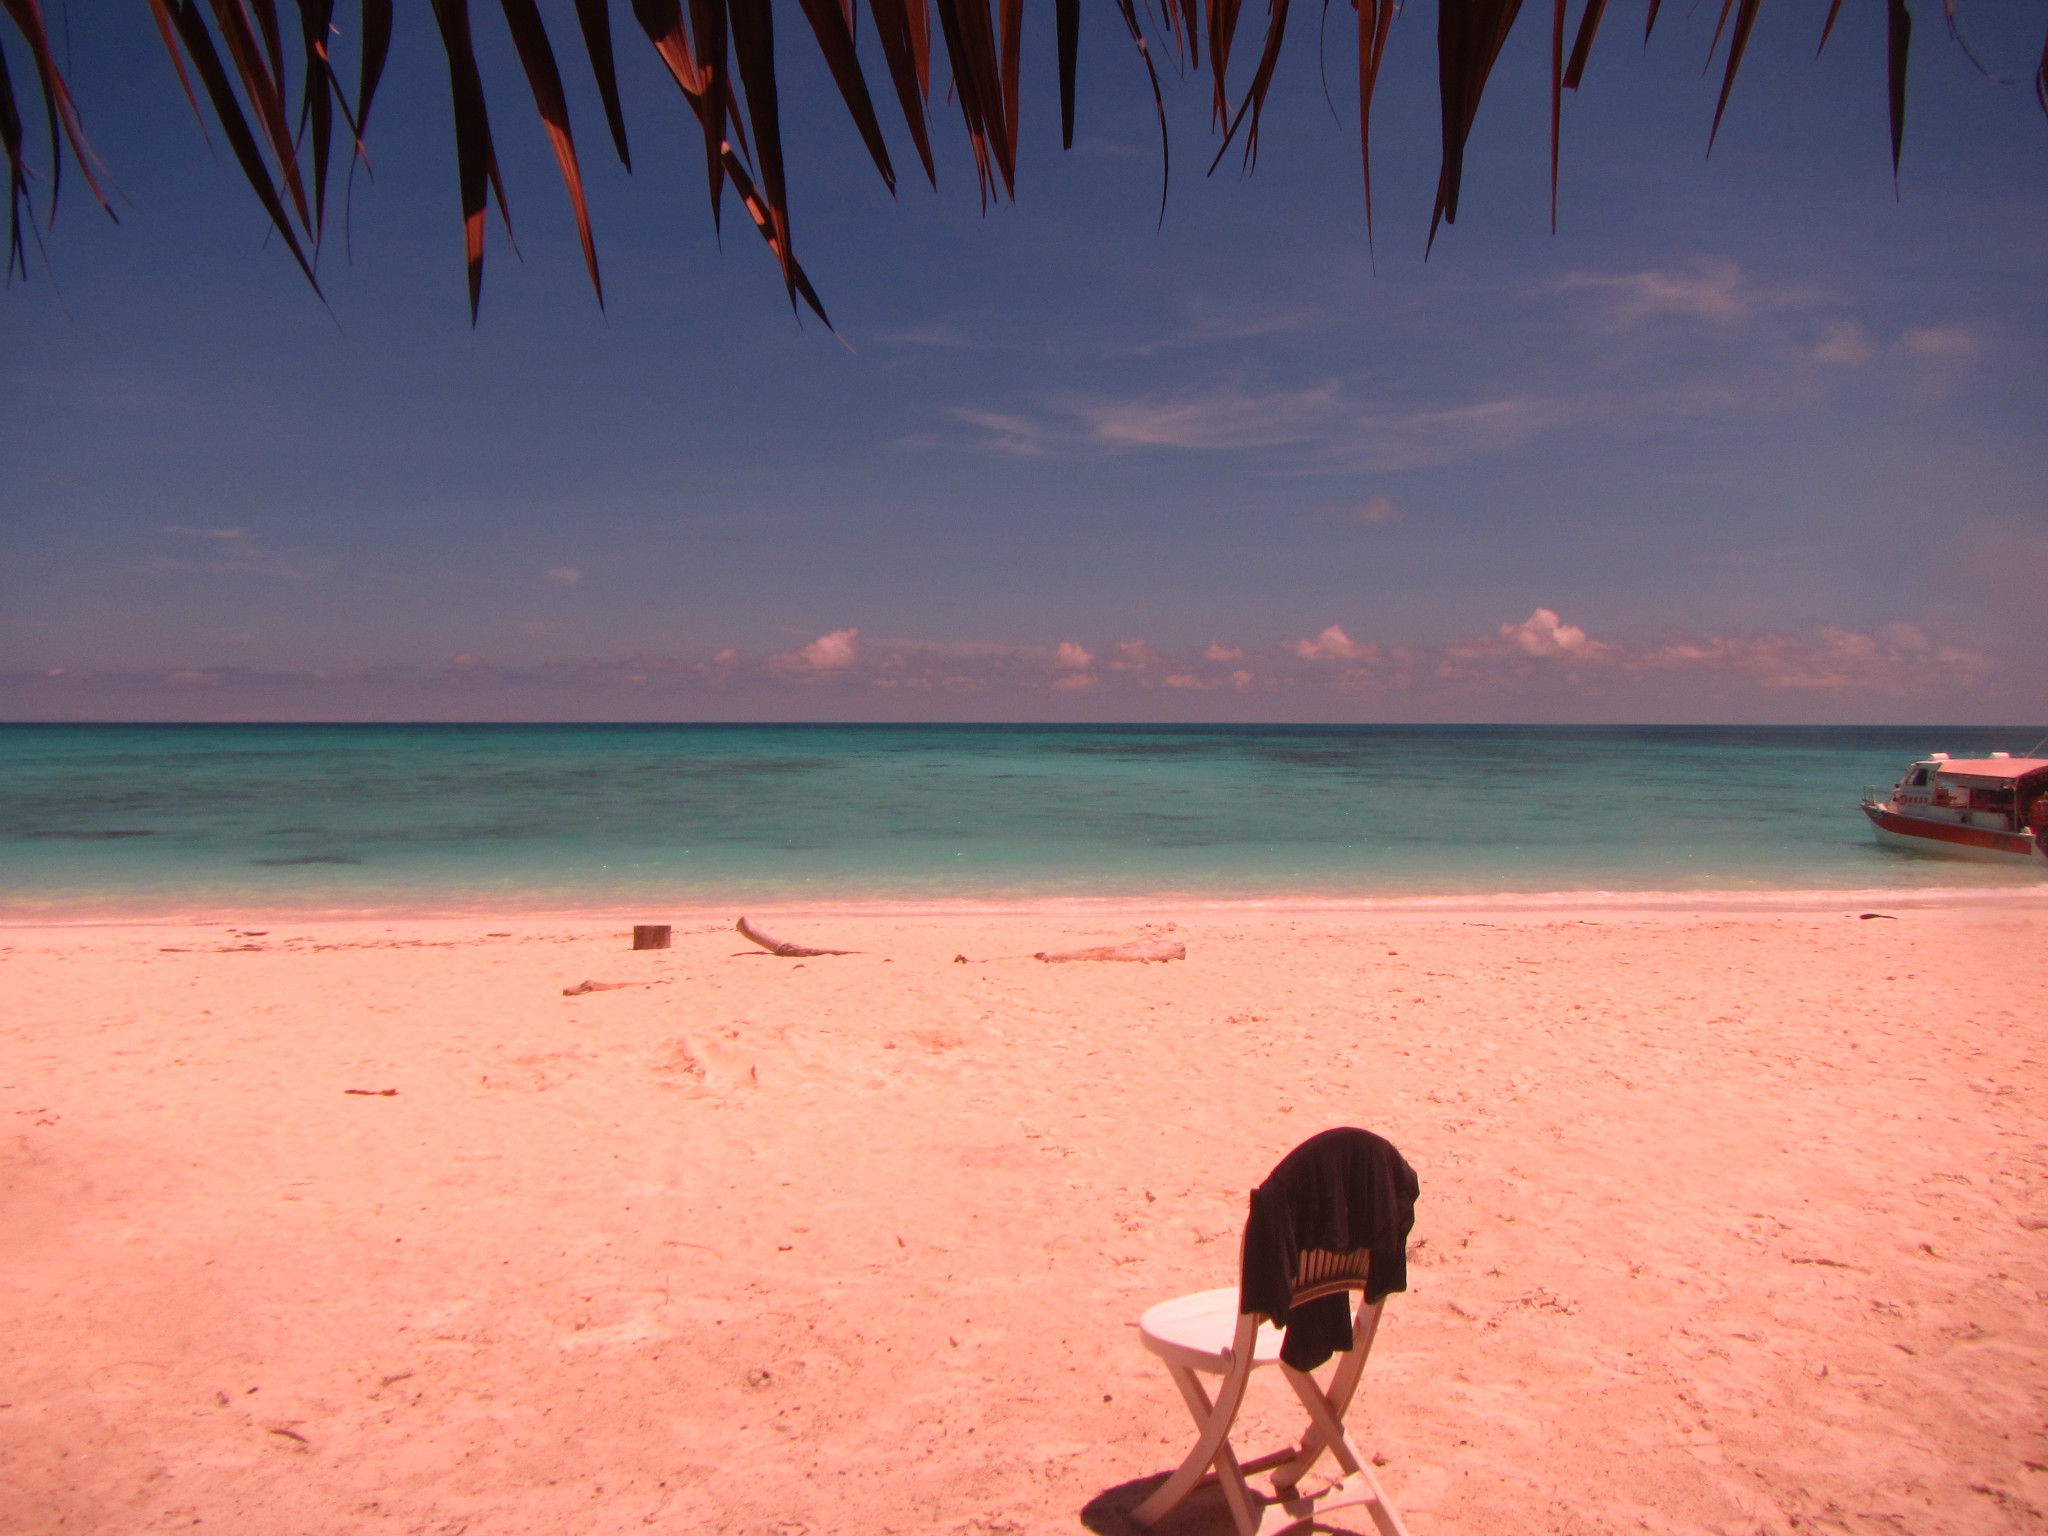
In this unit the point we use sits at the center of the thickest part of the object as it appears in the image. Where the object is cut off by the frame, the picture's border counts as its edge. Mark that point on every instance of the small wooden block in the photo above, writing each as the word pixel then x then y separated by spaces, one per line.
pixel 650 935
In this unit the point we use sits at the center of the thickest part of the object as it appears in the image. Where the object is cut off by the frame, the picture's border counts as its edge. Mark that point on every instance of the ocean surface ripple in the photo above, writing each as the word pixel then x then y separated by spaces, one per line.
pixel 155 818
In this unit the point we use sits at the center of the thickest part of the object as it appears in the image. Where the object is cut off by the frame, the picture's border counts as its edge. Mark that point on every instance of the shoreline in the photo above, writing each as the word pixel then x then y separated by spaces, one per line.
pixel 1537 904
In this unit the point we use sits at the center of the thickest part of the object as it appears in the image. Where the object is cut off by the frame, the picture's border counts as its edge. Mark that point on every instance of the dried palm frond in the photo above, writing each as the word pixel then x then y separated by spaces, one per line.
pixel 722 57
pixel 59 115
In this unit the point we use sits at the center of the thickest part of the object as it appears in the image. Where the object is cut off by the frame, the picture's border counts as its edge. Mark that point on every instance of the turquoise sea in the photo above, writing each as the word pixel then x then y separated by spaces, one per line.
pixel 178 819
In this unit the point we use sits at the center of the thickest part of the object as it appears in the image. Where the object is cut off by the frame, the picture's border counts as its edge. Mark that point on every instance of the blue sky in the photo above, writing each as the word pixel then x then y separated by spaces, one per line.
pixel 1747 439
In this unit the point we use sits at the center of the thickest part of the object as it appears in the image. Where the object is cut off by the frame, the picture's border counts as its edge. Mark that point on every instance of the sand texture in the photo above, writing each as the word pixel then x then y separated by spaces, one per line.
pixel 1729 1224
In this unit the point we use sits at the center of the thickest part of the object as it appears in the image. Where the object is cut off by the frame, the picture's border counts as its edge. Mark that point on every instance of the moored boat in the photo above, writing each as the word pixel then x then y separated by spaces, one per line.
pixel 1987 808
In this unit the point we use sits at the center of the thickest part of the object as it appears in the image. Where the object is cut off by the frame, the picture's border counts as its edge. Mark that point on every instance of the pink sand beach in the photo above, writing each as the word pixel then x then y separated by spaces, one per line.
pixel 1731 1222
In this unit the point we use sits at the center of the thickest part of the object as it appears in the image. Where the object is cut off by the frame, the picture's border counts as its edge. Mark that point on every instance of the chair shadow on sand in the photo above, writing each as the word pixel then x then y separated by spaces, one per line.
pixel 1203 1514
pixel 1331 1221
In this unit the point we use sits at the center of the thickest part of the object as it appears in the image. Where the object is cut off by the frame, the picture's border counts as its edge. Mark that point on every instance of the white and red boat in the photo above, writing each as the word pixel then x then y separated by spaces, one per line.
pixel 1989 808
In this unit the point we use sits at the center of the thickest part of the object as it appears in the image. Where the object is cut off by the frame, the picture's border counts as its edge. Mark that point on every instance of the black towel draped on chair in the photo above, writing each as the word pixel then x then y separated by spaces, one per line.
pixel 1338 1192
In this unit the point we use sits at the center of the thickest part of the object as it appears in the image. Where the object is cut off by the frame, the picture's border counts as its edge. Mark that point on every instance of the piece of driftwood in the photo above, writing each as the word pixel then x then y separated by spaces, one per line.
pixel 582 987
pixel 1140 950
pixel 651 935
pixel 776 946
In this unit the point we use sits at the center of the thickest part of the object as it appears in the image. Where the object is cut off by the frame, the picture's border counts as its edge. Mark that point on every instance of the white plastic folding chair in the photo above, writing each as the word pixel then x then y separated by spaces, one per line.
pixel 1205 1335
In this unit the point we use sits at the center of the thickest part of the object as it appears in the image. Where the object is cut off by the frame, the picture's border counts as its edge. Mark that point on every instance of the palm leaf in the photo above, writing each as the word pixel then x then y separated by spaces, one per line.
pixel 1129 11
pixel 1469 35
pixel 475 160
pixel 1262 80
pixel 236 54
pixel 833 29
pixel 1222 34
pixel 1375 19
pixel 537 57
pixel 214 77
pixel 17 171
pixel 1556 98
pixel 1898 40
pixel 59 112
pixel 1738 42
pixel 595 18
pixel 316 104
pixel 753 54
pixel 370 67
pixel 1828 27
pixel 273 38
pixel 1582 45
pixel 906 49
pixel 1067 24
pixel 764 221
pixel 977 76
pixel 166 28
pixel 265 93
pixel 1013 42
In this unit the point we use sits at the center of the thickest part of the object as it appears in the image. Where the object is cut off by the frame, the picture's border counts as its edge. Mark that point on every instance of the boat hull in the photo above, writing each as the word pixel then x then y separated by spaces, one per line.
pixel 1945 839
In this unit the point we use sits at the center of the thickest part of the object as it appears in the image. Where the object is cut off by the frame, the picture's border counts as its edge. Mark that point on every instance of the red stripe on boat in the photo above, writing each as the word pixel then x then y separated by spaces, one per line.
pixel 1949 832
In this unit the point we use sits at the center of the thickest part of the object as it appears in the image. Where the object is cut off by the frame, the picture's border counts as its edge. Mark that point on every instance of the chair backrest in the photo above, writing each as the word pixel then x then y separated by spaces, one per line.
pixel 1322 1273
pixel 1334 1215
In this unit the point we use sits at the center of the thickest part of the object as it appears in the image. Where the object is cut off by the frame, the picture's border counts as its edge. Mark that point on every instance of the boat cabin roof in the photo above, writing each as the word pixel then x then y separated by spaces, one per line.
pixel 1989 770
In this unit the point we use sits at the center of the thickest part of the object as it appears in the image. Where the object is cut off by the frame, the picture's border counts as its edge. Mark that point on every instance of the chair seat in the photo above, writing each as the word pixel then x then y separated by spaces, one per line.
pixel 1197 1331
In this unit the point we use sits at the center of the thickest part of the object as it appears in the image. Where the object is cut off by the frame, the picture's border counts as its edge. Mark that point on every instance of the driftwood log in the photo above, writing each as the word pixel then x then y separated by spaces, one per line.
pixel 776 946
pixel 1140 950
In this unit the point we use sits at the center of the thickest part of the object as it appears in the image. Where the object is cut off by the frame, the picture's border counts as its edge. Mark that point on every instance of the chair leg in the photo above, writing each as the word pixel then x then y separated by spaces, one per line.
pixel 1246 1507
pixel 1384 1515
pixel 1343 1387
pixel 1358 1486
pixel 1325 1427
pixel 1191 1392
pixel 1213 1446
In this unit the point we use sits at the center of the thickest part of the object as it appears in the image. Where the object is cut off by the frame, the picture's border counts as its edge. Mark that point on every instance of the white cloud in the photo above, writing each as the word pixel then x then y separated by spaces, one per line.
pixel 1333 645
pixel 1218 651
pixel 1223 419
pixel 1541 665
pixel 1008 433
pixel 1323 429
pixel 1712 291
pixel 1939 343
pixel 1544 634
pixel 565 575
pixel 1073 656
pixel 827 653
pixel 1898 661
pixel 1380 509
pixel 228 549
pixel 1134 656
pixel 948 336
pixel 1845 345
pixel 1206 327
